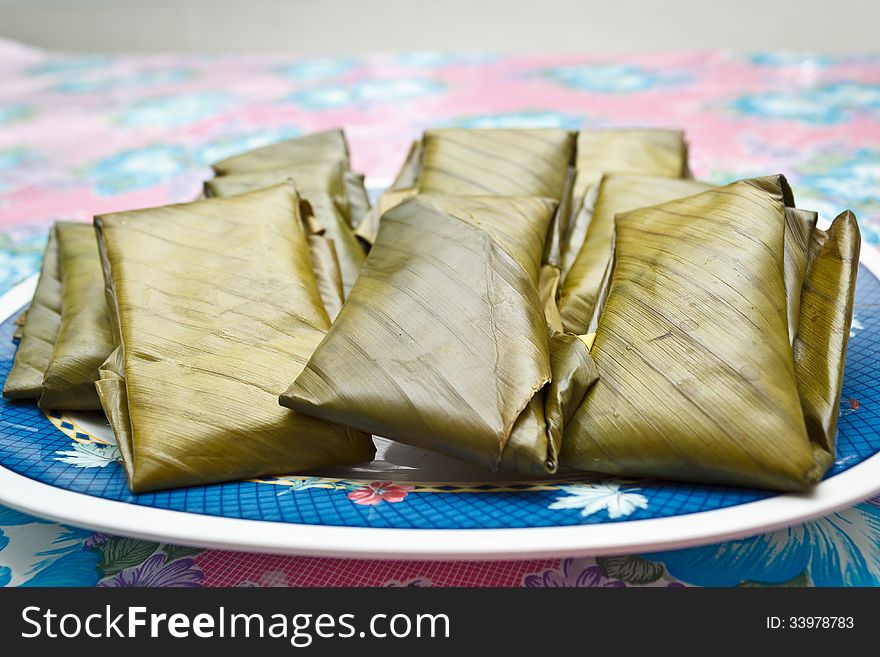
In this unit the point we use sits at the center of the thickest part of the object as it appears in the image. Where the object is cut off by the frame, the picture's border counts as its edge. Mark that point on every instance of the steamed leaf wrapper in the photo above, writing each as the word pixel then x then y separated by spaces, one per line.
pixel 38 331
pixel 496 161
pixel 648 152
pixel 84 338
pixel 697 380
pixel 328 275
pixel 215 308
pixel 616 194
pixel 324 188
pixel 327 146
pixel 826 309
pixel 443 342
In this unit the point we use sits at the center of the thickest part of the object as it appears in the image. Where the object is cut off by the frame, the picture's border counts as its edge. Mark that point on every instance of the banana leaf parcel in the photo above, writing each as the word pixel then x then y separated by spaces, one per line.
pixel 323 185
pixel 653 152
pixel 326 146
pixel 39 330
pixel 698 379
pixel 443 342
pixel 215 309
pixel 84 338
pixel 826 309
pixel 616 193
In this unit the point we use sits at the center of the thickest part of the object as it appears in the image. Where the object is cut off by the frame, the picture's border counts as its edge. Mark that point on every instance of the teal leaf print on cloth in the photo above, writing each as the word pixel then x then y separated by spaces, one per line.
pixel 841 549
pixel 37 552
pixel 613 78
pixel 318 68
pixel 834 102
pixel 523 119
pixel 336 96
pixel 177 109
pixel 120 553
pixel 21 252
pixel 16 112
pixel 138 168
pixel 86 85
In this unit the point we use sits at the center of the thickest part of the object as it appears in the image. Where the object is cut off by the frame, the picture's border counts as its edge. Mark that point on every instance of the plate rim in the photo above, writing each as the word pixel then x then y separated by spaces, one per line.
pixel 630 536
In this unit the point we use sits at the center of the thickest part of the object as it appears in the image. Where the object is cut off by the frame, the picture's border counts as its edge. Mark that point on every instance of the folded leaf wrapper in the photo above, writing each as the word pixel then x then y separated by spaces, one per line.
pixel 616 194
pixel 327 146
pixel 502 162
pixel 38 332
pixel 323 185
pixel 443 342
pixel 649 152
pixel 826 309
pixel 697 378
pixel 84 337
pixel 215 309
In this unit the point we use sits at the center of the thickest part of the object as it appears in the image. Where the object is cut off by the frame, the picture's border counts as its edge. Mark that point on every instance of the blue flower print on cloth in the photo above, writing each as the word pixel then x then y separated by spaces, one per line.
pixel 176 110
pixel 841 549
pixel 318 68
pixel 613 78
pixel 337 96
pixel 38 552
pixel 836 102
pixel 89 84
pixel 138 168
pixel 523 119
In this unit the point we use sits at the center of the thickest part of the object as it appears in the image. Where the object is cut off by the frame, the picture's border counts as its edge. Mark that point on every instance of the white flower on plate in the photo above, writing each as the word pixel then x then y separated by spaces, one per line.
pixel 90 455
pixel 592 498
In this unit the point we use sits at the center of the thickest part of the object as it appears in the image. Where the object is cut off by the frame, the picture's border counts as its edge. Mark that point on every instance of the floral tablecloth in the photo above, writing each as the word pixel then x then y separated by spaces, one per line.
pixel 84 134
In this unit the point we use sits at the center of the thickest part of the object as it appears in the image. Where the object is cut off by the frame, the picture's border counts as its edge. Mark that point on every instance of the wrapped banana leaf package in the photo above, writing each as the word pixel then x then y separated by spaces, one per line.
pixel 39 330
pixel 487 162
pixel 616 193
pixel 214 308
pixel 444 343
pixel 84 339
pixel 648 152
pixel 720 343
pixel 323 185
pixel 318 164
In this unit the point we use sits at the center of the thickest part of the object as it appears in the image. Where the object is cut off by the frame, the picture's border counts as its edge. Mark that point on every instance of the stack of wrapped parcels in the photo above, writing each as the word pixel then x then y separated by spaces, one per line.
pixel 532 300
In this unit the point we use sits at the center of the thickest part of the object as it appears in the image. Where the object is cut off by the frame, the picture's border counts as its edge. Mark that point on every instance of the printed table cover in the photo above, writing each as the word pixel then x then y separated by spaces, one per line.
pixel 88 134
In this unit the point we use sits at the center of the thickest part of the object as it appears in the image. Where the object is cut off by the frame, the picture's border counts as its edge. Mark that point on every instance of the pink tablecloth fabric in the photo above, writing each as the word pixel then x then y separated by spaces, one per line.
pixel 83 134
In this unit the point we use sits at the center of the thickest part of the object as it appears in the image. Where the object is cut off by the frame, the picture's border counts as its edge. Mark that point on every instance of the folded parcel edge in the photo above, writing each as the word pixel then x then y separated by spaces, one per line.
pixel 39 331
pixel 84 337
pixel 443 342
pixel 697 379
pixel 215 309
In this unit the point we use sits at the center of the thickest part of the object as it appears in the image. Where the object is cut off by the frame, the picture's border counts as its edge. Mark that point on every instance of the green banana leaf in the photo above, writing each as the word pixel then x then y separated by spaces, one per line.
pixel 825 319
pixel 39 330
pixel 443 342
pixel 358 199
pixel 327 146
pixel 697 377
pixel 325 177
pixel 328 275
pixel 214 314
pixel 496 161
pixel 403 187
pixel 636 151
pixel 323 186
pixel 616 193
pixel 84 339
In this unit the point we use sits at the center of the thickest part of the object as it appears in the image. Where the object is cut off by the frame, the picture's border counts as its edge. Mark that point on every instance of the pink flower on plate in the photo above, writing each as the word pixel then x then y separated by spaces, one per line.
pixel 378 491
